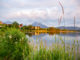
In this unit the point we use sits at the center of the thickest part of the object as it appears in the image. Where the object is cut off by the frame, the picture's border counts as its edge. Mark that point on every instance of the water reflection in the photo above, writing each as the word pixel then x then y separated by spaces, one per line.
pixel 52 38
pixel 50 33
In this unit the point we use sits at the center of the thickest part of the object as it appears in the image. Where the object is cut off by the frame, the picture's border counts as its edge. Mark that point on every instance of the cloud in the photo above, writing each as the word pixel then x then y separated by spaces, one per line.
pixel 46 11
pixel 27 3
pixel 34 14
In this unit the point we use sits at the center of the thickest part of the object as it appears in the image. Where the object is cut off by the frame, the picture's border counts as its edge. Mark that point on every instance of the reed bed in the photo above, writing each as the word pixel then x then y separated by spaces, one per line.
pixel 15 46
pixel 55 52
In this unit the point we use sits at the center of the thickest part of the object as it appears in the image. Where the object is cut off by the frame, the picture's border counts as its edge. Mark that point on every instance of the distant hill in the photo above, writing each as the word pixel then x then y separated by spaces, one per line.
pixel 69 28
pixel 8 22
pixel 39 24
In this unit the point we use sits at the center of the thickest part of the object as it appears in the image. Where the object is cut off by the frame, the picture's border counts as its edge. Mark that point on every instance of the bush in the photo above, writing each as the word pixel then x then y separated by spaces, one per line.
pixel 13 45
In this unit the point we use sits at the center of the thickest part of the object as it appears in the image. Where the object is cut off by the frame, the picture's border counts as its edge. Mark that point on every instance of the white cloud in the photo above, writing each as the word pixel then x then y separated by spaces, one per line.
pixel 36 10
pixel 34 13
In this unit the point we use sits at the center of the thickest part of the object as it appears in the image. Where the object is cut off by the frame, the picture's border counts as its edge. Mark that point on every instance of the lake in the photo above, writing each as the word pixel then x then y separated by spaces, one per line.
pixel 49 39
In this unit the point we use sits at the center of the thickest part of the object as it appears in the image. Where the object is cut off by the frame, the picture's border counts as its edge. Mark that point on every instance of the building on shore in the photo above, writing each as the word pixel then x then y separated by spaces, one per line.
pixel 35 28
pixel 1 22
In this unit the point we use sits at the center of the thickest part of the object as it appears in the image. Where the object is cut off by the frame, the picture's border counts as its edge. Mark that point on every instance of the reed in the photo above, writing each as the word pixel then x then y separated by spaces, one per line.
pixel 62 14
pixel 55 52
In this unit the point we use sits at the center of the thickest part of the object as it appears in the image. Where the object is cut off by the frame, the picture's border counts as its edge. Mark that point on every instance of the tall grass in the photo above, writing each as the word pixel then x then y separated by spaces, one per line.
pixel 55 52
pixel 50 54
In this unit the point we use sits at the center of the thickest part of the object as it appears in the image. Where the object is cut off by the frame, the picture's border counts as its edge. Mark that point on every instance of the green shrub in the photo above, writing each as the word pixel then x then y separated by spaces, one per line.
pixel 13 45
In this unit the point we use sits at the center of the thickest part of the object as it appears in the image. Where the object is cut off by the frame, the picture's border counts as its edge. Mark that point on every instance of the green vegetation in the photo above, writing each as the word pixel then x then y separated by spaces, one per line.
pixel 55 52
pixel 15 24
pixel 50 54
pixel 15 46
pixel 33 29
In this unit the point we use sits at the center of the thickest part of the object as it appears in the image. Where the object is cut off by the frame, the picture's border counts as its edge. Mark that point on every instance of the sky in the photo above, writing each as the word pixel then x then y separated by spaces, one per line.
pixel 47 12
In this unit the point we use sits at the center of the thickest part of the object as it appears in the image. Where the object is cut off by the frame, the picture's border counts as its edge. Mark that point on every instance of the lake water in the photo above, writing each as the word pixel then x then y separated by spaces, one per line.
pixel 67 38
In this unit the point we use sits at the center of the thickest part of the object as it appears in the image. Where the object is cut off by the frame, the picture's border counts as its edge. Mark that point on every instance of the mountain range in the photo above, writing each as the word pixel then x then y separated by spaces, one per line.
pixel 8 22
pixel 69 28
pixel 39 24
pixel 44 26
pixel 61 27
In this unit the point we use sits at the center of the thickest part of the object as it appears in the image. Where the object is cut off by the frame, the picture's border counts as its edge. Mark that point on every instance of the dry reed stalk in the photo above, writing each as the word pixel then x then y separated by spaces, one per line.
pixel 61 7
pixel 59 21
pixel 45 44
pixel 74 21
pixel 74 27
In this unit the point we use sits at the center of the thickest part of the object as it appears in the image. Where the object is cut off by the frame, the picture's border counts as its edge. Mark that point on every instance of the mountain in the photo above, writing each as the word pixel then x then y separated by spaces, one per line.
pixel 69 28
pixel 8 22
pixel 39 24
